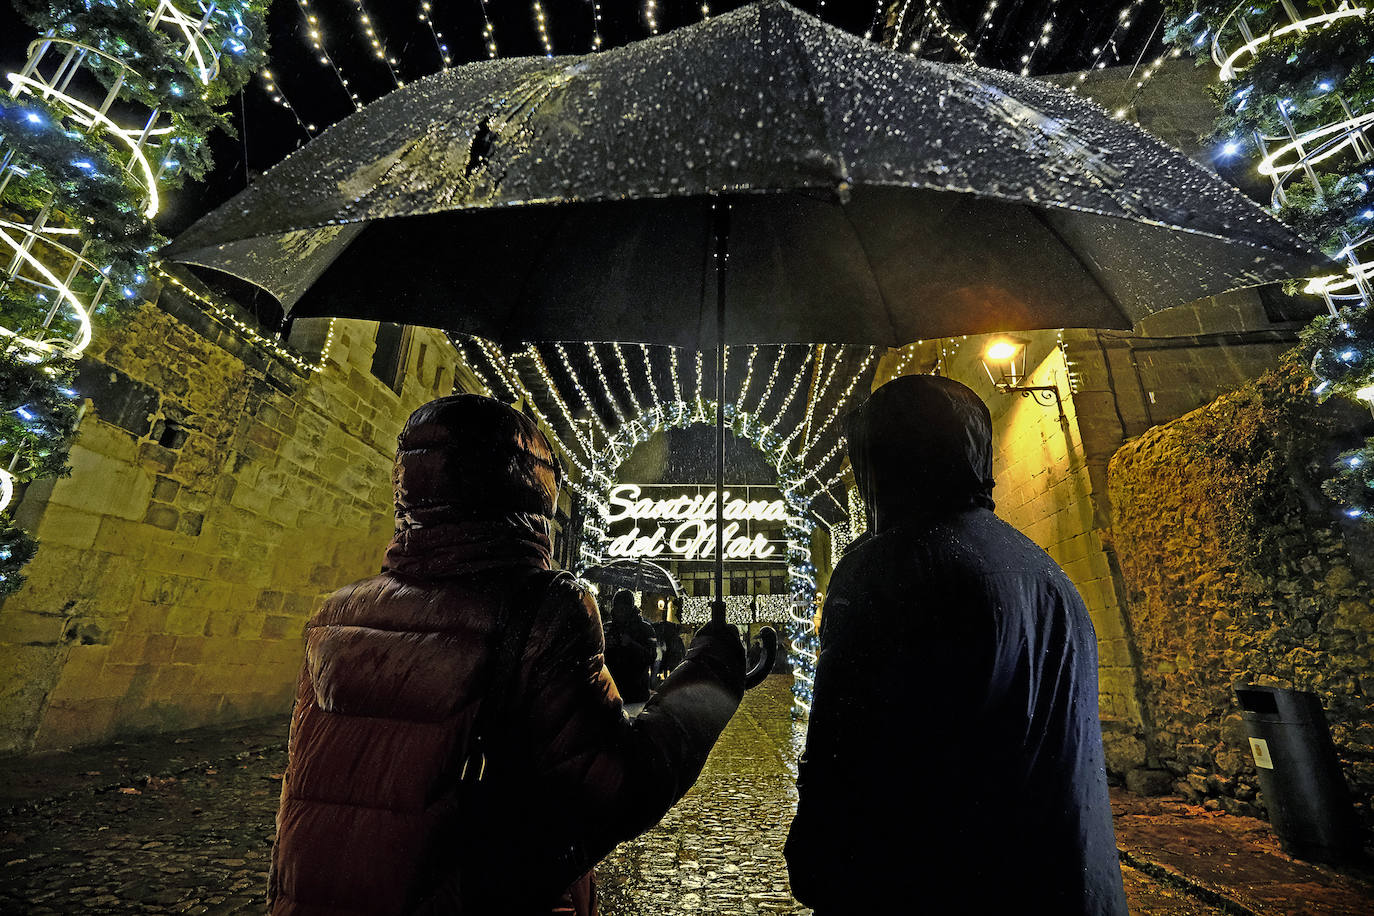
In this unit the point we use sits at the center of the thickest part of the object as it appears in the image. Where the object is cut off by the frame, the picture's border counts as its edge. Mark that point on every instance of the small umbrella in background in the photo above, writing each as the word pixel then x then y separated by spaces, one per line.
pixel 636 575
pixel 860 195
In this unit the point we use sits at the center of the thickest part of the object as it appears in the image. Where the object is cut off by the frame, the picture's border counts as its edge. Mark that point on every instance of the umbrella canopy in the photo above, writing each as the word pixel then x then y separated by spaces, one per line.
pixel 636 575
pixel 876 198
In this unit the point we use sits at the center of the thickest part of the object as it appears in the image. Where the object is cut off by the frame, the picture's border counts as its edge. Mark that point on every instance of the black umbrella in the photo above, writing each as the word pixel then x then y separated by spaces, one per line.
pixel 877 198
pixel 636 575
pixel 864 195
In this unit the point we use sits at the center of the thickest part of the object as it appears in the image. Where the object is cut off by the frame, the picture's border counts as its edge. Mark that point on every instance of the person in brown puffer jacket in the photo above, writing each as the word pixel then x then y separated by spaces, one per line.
pixel 372 817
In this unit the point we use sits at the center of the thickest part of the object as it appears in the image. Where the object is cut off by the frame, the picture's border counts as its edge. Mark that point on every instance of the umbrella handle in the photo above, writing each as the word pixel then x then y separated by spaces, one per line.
pixel 754 677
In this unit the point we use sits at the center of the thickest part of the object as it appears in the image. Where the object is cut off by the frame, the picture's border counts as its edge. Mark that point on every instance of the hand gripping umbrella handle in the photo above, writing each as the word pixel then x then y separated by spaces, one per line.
pixel 754 677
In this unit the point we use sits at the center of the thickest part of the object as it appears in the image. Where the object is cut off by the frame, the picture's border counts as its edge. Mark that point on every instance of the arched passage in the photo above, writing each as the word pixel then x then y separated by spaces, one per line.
pixel 791 479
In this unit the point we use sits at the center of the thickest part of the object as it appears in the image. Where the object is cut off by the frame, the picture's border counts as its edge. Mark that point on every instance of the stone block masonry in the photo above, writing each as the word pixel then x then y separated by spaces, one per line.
pixel 1238 571
pixel 217 492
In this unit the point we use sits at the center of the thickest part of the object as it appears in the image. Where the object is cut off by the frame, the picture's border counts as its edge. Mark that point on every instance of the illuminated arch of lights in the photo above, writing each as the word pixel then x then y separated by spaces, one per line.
pixel 596 446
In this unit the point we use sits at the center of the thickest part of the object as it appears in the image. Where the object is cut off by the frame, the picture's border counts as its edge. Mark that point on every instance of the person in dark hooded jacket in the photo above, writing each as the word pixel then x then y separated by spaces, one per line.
pixel 954 739
pixel 631 646
pixel 372 817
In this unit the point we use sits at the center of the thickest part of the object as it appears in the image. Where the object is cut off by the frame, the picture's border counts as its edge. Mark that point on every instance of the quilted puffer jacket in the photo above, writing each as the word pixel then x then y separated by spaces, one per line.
pixel 371 817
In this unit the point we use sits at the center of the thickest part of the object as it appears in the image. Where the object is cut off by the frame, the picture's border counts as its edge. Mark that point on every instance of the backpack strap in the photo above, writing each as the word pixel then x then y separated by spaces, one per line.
pixel 518 609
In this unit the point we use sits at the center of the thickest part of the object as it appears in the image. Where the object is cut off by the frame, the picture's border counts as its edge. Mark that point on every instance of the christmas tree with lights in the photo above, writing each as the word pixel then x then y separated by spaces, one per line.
pixel 112 108
pixel 1297 95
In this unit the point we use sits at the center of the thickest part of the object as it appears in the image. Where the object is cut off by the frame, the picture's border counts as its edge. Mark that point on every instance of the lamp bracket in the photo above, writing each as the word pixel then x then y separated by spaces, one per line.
pixel 1044 395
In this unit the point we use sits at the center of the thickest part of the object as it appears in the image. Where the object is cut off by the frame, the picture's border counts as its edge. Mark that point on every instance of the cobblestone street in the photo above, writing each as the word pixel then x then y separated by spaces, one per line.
pixel 94 832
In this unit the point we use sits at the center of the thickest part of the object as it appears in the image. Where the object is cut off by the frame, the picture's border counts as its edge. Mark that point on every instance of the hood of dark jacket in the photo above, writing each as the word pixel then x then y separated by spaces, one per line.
pixel 475 485
pixel 921 445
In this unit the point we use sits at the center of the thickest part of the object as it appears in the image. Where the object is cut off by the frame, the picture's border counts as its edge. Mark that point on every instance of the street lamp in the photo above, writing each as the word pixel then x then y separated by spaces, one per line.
pixel 1005 362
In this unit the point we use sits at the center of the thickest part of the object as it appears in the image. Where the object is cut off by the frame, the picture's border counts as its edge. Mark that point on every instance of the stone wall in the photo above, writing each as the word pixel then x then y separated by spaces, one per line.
pixel 1238 571
pixel 217 491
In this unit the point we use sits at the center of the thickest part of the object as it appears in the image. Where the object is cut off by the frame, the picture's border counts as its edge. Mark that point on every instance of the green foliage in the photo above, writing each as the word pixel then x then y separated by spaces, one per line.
pixel 37 413
pixel 160 78
pixel 87 183
pixel 1293 83
pixel 1353 483
pixel 16 550
pixel 78 178
pixel 1345 201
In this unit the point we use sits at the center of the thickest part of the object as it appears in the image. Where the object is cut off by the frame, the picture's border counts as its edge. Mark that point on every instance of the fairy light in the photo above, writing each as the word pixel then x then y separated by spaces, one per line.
pixel 559 402
pixel 677 385
pixel 935 19
pixel 772 380
pixel 877 18
pixel 225 314
pixel 840 354
pixel 541 23
pixel 1110 47
pixel 278 95
pixel 651 16
pixel 1039 41
pixel 322 55
pixel 605 385
pixel 748 377
pixel 511 378
pixel 625 376
pixel 596 25
pixel 425 16
pixel 487 388
pixel 581 391
pixel 700 403
pixel 792 392
pixel 839 403
pixel 813 395
pixel 984 23
pixel 649 377
pixel 818 466
pixel 375 40
pixel 488 31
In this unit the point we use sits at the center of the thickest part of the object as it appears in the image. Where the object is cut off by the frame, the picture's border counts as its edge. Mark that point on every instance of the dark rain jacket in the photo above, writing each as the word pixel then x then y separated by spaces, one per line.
pixel 371 817
pixel 631 647
pixel 954 745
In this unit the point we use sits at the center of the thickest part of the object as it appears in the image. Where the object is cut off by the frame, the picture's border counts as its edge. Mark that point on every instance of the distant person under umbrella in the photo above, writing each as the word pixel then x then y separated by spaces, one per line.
pixel 631 647
pixel 954 739
pixel 670 638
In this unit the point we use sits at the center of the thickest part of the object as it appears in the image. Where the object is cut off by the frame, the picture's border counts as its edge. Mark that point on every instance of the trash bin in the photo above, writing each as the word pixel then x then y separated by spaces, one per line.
pixel 1300 777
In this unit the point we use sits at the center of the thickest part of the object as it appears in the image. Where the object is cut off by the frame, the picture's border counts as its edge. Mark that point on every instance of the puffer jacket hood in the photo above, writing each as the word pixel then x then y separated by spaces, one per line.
pixel 922 445
pixel 475 484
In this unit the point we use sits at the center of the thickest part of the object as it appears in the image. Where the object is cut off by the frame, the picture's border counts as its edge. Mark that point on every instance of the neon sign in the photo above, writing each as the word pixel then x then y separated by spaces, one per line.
pixel 683 526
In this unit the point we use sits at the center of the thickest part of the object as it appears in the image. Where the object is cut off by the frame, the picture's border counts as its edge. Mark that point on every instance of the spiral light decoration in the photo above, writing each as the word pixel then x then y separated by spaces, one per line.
pixel 49 261
pixel 1291 156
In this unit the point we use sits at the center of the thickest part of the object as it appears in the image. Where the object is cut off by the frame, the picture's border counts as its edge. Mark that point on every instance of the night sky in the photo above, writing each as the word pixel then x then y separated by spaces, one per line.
pixel 267 131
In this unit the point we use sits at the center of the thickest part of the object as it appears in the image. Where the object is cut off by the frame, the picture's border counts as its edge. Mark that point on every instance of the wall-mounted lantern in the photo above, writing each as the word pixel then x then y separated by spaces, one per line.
pixel 1005 362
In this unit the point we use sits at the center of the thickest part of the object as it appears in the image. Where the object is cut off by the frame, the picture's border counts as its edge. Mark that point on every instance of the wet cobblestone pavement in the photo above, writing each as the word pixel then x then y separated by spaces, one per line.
pixel 93 832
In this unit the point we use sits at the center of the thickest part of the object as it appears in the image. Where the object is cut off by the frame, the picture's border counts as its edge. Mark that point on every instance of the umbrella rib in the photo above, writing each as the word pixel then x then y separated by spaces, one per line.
pixel 882 296
pixel 1040 217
